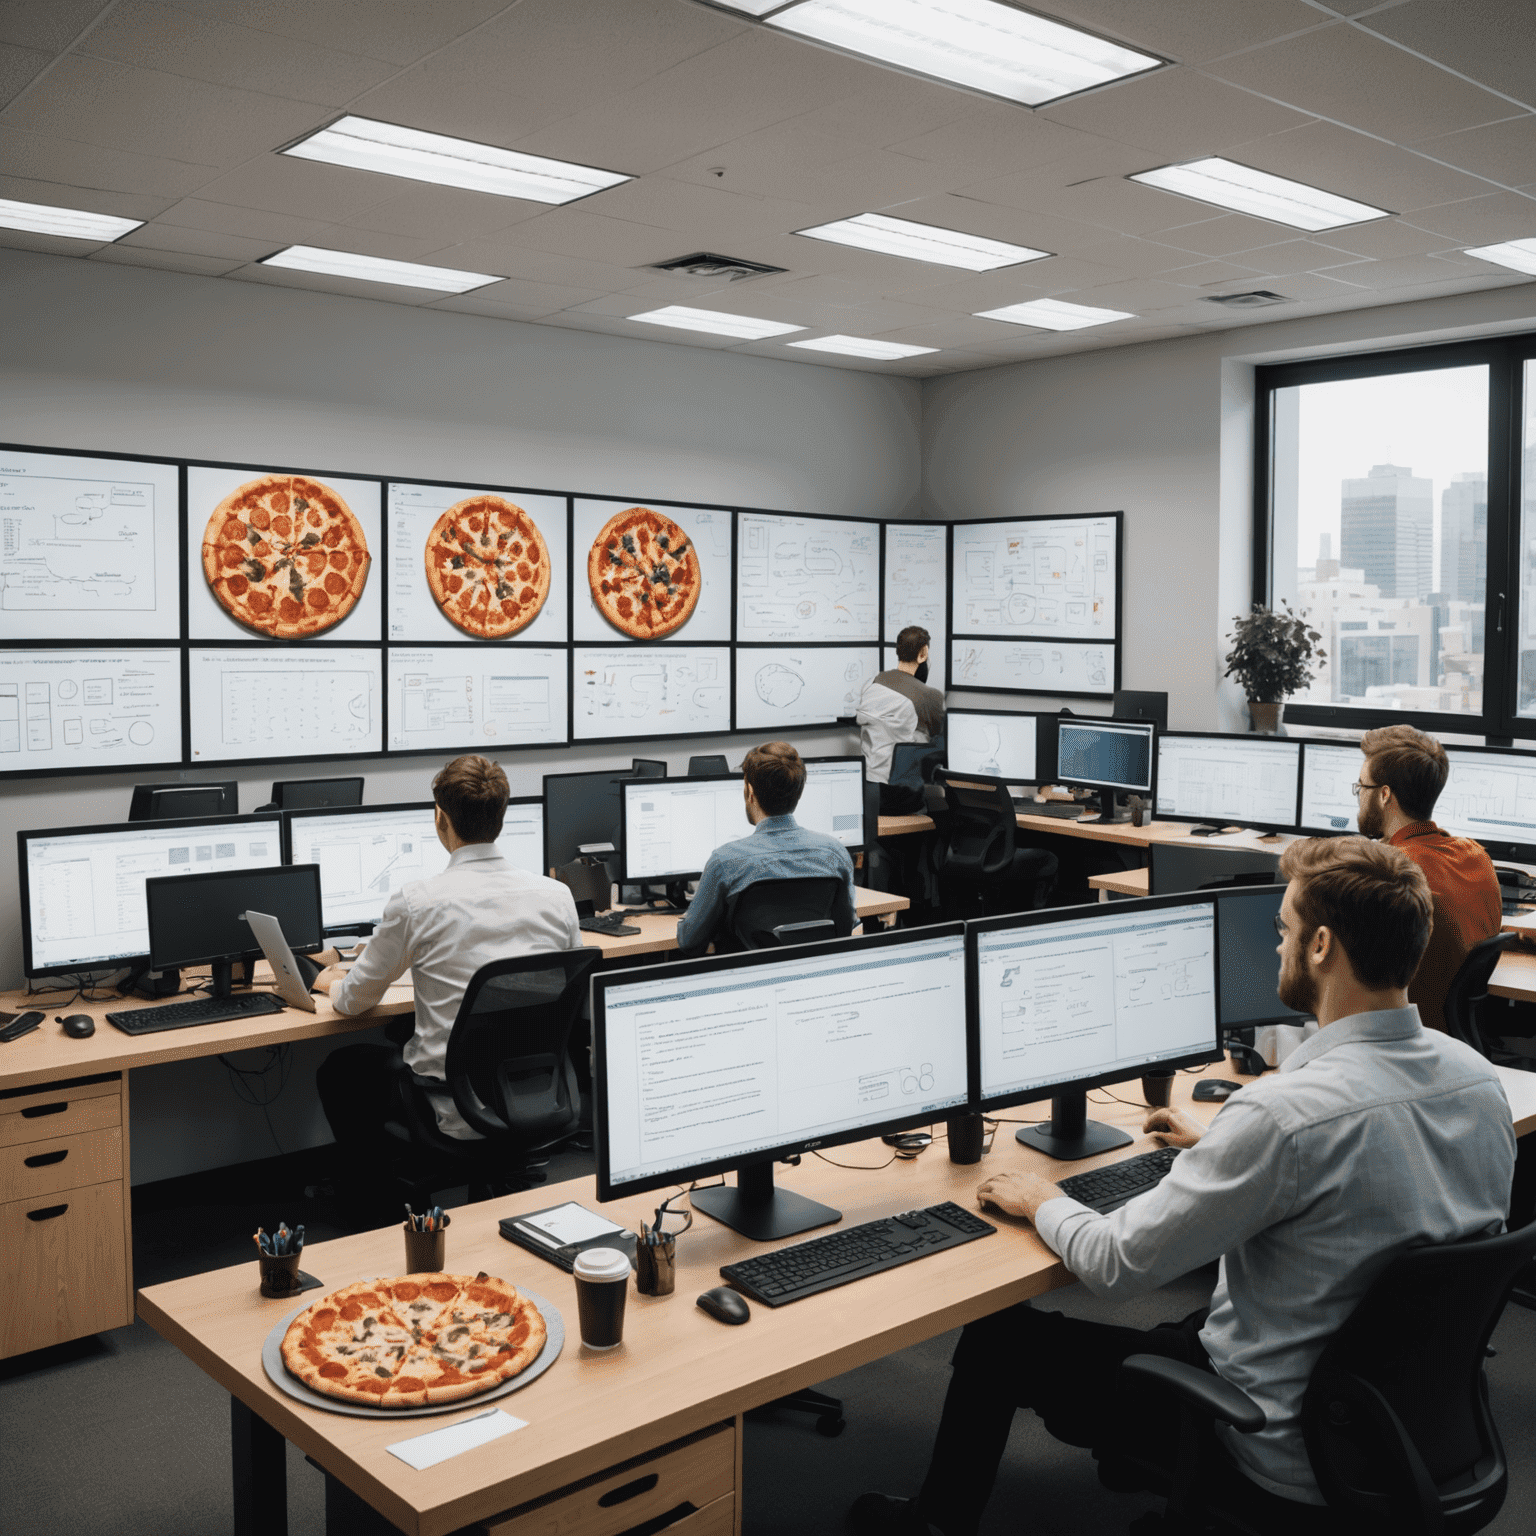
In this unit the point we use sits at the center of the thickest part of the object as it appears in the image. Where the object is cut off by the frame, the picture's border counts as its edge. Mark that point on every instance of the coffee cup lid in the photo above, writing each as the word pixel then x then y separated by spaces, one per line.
pixel 602 1264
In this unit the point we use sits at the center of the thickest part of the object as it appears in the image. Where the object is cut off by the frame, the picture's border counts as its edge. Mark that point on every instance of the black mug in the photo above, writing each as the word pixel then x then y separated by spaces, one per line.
pixel 1157 1087
pixel 967 1134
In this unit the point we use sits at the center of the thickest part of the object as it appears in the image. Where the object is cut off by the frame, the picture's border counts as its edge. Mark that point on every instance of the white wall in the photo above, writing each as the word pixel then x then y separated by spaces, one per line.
pixel 132 360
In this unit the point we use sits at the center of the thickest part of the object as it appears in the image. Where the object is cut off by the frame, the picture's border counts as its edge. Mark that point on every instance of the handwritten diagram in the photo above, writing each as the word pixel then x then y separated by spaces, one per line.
pixel 803 578
pixel 1045 577
pixel 916 587
pixel 1026 666
pixel 463 697
pixel 780 687
pixel 651 691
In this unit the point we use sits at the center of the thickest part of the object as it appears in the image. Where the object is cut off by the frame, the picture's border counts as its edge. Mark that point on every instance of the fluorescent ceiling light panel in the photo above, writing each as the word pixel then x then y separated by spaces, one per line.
pixel 923 242
pixel 977 43
pixel 365 145
pixel 743 327
pixel 862 346
pixel 1245 190
pixel 1054 315
pixel 1517 255
pixel 374 269
pixel 73 223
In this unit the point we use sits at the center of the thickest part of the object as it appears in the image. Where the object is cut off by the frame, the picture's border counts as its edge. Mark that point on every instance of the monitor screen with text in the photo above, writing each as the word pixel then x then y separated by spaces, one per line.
pixel 1228 779
pixel 1328 777
pixel 1490 796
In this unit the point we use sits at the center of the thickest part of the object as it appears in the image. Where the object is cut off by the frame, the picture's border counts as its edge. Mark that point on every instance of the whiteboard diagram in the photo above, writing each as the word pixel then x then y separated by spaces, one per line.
pixel 806 578
pixel 462 696
pixel 88 709
pixel 779 687
pixel 284 703
pixel 411 512
pixel 1034 666
pixel 916 586
pixel 88 548
pixel 1040 577
pixel 650 691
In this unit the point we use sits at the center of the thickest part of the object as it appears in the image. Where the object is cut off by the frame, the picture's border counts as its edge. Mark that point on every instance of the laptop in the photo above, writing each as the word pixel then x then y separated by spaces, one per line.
pixel 291 974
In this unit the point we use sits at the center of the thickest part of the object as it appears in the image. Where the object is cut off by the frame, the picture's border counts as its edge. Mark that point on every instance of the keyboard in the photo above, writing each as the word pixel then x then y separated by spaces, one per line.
pixel 789 1274
pixel 200 1010
pixel 1060 808
pixel 613 925
pixel 1107 1189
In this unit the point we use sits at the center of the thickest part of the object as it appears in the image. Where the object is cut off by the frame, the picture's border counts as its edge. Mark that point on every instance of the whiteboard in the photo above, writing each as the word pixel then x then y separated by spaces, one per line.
pixel 463 696
pixel 412 610
pixel 89 709
pixel 284 702
pixel 710 530
pixel 649 690
pixel 779 687
pixel 88 548
pixel 1034 666
pixel 806 578
pixel 1047 577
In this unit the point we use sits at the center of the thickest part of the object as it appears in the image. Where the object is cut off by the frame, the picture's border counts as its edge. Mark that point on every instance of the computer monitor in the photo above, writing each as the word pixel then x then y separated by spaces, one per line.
pixel 1328 776
pixel 1111 756
pixel 833 800
pixel 736 1061
pixel 1068 999
pixel 1490 795
pixel 367 852
pixel 159 802
pixel 316 794
pixel 648 768
pixel 201 920
pixel 1136 704
pixel 712 762
pixel 582 809
pixel 1249 958
pixel 1254 781
pixel 669 828
pixel 994 744
pixel 82 888
pixel 1176 867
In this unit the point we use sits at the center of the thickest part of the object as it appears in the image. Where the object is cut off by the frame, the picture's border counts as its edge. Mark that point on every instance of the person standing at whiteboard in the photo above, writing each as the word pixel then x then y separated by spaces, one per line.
pixel 896 707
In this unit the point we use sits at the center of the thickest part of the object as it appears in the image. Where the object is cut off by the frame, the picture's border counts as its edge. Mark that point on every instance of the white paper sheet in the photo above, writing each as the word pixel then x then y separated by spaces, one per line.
pixel 423 1451
pixel 570 1223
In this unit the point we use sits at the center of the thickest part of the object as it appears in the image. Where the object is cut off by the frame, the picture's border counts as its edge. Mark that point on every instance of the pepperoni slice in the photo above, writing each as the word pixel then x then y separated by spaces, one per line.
pixel 282 525
pixel 335 584
pixel 290 611
pixel 339 560
pixel 237 586
pixel 335 1372
pixel 332 538
pixel 260 603
pixel 261 518
pixel 318 600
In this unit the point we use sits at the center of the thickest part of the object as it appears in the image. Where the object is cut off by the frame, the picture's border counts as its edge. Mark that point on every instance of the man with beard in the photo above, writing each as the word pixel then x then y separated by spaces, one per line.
pixel 1404 772
pixel 1376 1135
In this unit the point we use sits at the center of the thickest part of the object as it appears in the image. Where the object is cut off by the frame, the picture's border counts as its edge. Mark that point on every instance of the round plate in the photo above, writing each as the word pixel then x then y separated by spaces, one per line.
pixel 277 1374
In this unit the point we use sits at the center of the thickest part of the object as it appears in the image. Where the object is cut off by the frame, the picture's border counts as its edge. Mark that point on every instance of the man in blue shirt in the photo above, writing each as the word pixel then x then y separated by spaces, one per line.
pixel 773 779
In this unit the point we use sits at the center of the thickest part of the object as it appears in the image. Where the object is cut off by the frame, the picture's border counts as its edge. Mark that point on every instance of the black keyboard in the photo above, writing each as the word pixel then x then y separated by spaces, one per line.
pixel 201 1010
pixel 1050 808
pixel 613 926
pixel 1107 1189
pixel 788 1274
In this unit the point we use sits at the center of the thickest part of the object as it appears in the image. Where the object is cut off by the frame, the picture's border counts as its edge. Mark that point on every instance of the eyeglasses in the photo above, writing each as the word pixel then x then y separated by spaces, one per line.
pixel 1357 786
pixel 1280 927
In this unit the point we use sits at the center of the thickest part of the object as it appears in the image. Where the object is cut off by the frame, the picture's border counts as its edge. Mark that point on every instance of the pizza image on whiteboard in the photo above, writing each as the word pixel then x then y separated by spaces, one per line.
pixel 644 574
pixel 487 567
pixel 285 555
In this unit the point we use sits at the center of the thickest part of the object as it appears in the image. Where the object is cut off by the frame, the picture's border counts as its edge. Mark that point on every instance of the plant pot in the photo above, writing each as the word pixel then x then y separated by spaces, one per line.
pixel 1266 718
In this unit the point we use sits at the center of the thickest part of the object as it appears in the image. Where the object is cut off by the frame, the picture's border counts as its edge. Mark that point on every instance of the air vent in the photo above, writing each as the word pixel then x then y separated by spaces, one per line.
pixel 707 264
pixel 1258 298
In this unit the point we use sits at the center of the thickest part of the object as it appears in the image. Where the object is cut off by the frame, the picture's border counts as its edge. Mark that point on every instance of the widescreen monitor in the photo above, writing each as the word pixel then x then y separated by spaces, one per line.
pixel 993 744
pixel 82 888
pixel 581 809
pixel 1250 780
pixel 1490 795
pixel 1112 756
pixel 737 1061
pixel 1249 958
pixel 1068 999
pixel 1194 866
pixel 161 802
pixel 1328 776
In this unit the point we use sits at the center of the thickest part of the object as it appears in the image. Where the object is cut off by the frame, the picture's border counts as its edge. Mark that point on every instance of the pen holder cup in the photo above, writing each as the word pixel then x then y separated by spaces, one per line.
pixel 425 1251
pixel 656 1267
pixel 279 1275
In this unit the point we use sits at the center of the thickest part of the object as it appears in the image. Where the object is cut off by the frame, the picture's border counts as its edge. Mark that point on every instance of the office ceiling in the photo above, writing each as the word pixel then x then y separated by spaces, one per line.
pixel 172 111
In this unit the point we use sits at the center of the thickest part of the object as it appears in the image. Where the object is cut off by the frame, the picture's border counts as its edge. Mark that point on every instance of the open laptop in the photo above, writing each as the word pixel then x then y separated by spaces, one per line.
pixel 291 974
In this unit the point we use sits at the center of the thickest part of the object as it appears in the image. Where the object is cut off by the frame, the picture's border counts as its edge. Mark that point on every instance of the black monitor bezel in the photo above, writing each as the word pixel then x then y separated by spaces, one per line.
pixel 1498 848
pixel 1037 715
pixel 862 846
pixel 1119 789
pixel 342 778
pixel 1301 828
pixel 617 775
pixel 1086 912
pixel 602 980
pixel 1258 826
pixel 254 950
pixel 116 963
pixel 230 788
pixel 625 877
pixel 1183 845
pixel 1240 892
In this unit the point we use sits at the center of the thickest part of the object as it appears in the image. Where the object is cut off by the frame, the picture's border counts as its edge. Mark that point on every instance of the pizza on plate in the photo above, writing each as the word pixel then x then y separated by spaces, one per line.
pixel 414 1341
pixel 488 567
pixel 644 573
pixel 285 556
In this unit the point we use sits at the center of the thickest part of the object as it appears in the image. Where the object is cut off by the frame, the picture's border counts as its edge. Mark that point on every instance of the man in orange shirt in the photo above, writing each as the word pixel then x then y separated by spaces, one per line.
pixel 1404 772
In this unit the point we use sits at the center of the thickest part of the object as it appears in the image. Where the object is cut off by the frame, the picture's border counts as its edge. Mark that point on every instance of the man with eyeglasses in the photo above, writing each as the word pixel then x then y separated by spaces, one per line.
pixel 1404 772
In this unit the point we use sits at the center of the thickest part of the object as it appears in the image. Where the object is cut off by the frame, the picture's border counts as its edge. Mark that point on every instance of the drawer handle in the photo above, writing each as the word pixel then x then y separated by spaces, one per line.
pixel 627 1491
pixel 662 1522
pixel 43 1159
pixel 47 1213
pixel 37 1110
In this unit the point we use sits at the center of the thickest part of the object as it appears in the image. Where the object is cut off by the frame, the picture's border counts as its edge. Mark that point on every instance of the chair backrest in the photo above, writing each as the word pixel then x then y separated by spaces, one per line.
pixel 913 762
pixel 977 827
pixel 714 763
pixel 1396 1417
pixel 1469 988
pixel 508 1064
pixel 753 913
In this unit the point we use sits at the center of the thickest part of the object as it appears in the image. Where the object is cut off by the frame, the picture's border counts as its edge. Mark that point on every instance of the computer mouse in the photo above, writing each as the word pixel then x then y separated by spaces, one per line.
pixel 725 1305
pixel 1214 1089
pixel 79 1026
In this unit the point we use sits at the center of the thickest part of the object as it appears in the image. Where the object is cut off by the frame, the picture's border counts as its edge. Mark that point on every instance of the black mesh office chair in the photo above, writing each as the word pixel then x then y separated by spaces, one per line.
pixel 1395 1417
pixel 510 1072
pixel 714 763
pixel 913 764
pixel 793 911
pixel 982 868
pixel 1469 990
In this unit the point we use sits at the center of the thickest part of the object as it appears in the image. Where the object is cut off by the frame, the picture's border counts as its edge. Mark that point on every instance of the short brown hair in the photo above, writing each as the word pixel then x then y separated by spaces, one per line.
pixel 777 776
pixel 1371 896
pixel 472 792
pixel 1410 763
pixel 910 642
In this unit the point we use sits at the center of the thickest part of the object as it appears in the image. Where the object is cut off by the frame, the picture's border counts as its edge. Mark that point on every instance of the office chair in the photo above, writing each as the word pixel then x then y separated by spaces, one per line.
pixel 1469 990
pixel 510 1072
pixel 792 911
pixel 714 763
pixel 1395 1417
pixel 981 866
pixel 913 764
pixel 648 768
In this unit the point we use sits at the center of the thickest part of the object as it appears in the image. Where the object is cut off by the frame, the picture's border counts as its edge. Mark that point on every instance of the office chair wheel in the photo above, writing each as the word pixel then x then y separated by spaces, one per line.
pixel 831 1425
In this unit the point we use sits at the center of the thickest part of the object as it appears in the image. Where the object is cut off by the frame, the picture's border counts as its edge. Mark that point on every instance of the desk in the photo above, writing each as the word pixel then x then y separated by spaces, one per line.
pixel 1093 831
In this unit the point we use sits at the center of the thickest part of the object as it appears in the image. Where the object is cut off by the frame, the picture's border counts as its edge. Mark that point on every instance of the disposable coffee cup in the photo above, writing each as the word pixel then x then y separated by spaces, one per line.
pixel 602 1284
pixel 1157 1087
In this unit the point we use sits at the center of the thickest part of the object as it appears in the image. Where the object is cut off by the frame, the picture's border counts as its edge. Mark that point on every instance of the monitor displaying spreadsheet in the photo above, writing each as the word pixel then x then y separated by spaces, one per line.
pixel 1328 777
pixel 1244 779
pixel 1490 796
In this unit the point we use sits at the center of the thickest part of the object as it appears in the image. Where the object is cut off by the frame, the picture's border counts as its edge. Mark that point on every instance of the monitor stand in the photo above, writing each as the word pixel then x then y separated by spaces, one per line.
pixel 1069 1134
pixel 753 1207
pixel 675 900
pixel 224 980
pixel 1111 810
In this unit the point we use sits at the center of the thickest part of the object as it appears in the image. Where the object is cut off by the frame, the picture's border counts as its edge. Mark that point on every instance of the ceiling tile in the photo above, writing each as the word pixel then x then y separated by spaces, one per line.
pixel 688 207
pixel 51 26
pixel 49 245
pixel 1481 220
pixel 517 298
pixel 1210 274
pixel 319 282
pixel 1223 234
pixel 17 67
pixel 993 139
pixel 452 214
pixel 1344 74
pixel 501 255
pixel 1410 269
pixel 573 232
pixel 1193 29
pixel 959 331
pixel 155 236
pixel 1110 202
pixel 1491 41
pixel 1503 152
pixel 305 189
pixel 1140 258
pixel 126 205
pixel 253 223
pixel 166 261
pixel 1295 256
pixel 1305 287
pixel 1384 238
pixel 49 158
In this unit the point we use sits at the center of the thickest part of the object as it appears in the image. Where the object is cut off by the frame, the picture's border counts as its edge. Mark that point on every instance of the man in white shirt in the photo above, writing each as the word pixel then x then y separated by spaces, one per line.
pixel 443 930
pixel 898 706
pixel 1375 1136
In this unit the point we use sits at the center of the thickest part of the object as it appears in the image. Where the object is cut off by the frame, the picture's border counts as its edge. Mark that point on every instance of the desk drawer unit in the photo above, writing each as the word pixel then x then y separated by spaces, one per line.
pixel 46 1112
pixel 61 1162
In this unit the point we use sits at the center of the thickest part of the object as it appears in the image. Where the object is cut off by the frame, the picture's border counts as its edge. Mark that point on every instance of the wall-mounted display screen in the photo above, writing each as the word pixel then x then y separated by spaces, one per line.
pixel 1044 577
pixel 476 697
pixel 916 589
pixel 654 690
pixel 781 687
pixel 806 579
pixel 1033 666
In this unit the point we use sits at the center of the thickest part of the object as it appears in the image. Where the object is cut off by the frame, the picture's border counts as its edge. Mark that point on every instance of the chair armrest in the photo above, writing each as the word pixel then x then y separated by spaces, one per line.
pixel 1203 1391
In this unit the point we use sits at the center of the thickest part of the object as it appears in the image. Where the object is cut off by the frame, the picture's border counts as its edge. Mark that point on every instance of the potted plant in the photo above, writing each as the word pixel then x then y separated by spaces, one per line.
pixel 1273 654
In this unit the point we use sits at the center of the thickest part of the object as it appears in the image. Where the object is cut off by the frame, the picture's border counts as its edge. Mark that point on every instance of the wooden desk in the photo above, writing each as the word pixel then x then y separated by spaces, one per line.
pixel 903 826
pixel 1091 829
